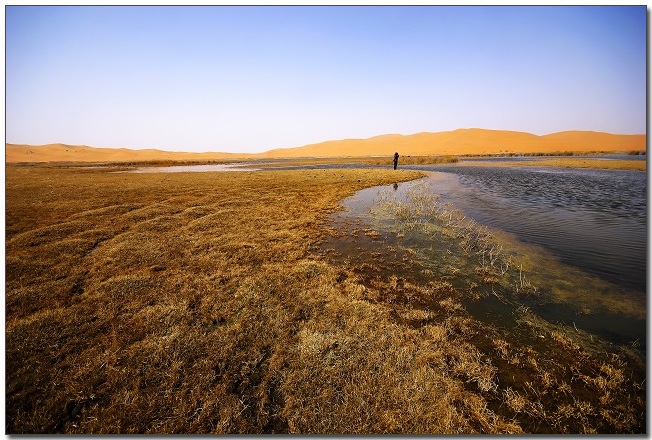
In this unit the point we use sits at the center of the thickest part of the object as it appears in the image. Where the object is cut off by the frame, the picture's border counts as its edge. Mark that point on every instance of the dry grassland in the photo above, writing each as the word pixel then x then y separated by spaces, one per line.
pixel 573 162
pixel 192 303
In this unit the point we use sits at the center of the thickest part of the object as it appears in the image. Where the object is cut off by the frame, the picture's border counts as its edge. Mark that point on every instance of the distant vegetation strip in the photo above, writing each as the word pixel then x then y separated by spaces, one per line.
pixel 375 160
pixel 559 153
pixel 421 160
pixel 574 162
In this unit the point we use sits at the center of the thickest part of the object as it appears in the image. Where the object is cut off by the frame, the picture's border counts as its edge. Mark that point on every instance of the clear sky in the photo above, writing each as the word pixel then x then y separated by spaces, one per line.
pixel 249 79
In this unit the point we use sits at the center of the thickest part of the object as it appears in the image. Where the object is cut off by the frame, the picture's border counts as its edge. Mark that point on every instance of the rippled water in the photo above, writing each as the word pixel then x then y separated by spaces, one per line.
pixel 592 219
pixel 580 238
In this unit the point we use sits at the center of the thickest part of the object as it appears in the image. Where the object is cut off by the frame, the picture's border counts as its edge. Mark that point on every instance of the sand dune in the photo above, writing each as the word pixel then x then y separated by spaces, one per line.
pixel 75 153
pixel 462 141
pixel 469 141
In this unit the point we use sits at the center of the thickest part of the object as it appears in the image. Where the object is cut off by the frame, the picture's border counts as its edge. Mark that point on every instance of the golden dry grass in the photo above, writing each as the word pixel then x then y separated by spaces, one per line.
pixel 193 303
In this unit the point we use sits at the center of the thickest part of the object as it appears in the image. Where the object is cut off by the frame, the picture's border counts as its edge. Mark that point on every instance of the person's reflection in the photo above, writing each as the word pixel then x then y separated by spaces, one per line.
pixel 395 186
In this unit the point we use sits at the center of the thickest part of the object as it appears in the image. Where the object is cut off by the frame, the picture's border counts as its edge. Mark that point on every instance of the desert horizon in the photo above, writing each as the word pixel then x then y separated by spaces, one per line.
pixel 466 141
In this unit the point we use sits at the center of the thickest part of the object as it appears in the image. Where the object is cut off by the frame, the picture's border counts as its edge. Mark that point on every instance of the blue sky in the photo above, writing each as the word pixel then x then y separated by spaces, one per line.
pixel 249 79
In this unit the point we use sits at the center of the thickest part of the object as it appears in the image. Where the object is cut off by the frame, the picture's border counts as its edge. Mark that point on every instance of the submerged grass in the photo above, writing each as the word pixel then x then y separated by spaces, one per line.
pixel 455 247
pixel 476 249
pixel 192 303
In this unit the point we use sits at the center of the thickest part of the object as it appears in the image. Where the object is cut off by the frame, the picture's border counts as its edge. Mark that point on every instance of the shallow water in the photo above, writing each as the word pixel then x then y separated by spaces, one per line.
pixel 595 220
pixel 578 235
pixel 195 168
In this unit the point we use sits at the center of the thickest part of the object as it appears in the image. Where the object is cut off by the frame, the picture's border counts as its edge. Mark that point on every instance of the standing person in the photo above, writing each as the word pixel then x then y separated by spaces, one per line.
pixel 395 160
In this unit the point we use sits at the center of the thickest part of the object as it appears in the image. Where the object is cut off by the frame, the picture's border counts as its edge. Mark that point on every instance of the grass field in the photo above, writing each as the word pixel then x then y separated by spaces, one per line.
pixel 194 303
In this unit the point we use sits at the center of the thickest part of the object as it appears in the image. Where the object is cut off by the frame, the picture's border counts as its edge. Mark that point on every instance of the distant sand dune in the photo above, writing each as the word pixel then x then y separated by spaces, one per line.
pixel 462 141
pixel 75 153
pixel 469 141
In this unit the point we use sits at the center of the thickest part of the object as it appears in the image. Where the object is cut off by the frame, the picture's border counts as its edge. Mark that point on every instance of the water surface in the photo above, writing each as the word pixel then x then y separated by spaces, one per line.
pixel 195 168
pixel 579 234
pixel 592 219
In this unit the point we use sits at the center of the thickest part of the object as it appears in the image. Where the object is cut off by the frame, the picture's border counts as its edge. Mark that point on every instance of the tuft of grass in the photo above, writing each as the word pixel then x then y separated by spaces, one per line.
pixel 422 212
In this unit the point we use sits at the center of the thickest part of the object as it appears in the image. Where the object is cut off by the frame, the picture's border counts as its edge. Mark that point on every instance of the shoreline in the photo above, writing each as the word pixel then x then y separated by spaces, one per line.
pixel 377 162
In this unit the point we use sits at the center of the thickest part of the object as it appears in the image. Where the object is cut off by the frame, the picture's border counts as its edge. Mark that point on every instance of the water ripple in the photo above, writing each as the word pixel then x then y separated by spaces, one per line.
pixel 592 219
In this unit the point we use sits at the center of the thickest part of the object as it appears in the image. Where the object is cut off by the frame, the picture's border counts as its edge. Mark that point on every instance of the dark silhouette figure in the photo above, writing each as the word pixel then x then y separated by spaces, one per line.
pixel 395 160
pixel 395 186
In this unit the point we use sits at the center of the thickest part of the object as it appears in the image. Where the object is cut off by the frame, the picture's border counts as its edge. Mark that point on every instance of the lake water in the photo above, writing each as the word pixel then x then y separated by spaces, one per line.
pixel 593 219
pixel 195 168
pixel 582 231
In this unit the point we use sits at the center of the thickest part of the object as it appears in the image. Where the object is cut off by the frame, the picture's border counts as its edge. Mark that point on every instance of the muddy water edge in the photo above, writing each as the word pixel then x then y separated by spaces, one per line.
pixel 567 346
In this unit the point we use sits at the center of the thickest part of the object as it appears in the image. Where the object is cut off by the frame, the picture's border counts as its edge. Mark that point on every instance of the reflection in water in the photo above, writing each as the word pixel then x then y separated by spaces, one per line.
pixel 194 168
